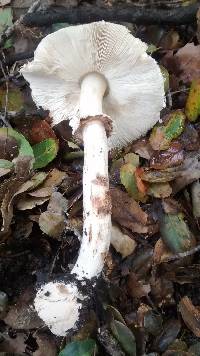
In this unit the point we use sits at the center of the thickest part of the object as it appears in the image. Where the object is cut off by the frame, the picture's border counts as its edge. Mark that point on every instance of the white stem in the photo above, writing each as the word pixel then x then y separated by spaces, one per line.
pixel 96 203
pixel 93 87
pixel 59 304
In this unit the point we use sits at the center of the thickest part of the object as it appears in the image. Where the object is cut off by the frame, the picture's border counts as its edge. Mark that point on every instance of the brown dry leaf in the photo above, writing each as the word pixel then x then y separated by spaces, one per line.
pixel 46 345
pixel 15 188
pixel 162 290
pixel 190 315
pixel 52 221
pixel 28 203
pixel 13 346
pixel 40 131
pixel 127 212
pixel 8 147
pixel 135 288
pixel 143 148
pixel 122 242
pixel 161 252
pixel 160 190
pixel 171 206
pixel 189 172
pixel 162 176
pixel 165 159
pixel 185 63
pixel 22 315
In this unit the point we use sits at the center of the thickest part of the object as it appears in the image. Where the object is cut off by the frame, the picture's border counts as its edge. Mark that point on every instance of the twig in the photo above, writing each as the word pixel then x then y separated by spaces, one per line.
pixel 182 254
pixel 8 33
pixel 133 14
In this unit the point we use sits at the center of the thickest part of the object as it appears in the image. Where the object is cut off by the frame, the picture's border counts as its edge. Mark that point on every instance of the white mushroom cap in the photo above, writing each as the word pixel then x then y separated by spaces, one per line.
pixel 135 92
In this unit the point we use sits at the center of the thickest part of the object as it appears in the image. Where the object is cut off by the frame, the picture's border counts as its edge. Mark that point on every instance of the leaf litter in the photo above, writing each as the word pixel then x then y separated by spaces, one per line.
pixel 147 301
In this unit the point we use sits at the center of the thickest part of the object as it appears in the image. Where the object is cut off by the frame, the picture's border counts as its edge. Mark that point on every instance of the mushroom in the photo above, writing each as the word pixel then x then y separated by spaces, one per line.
pixel 100 78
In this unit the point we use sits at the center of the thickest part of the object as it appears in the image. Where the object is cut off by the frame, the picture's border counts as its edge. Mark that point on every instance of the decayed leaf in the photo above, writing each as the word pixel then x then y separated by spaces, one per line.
pixel 23 315
pixel 175 233
pixel 192 108
pixel 161 136
pixel 195 190
pixel 12 101
pixel 169 158
pixel 127 212
pixel 168 335
pixel 187 61
pixel 52 221
pixel 17 187
pixel 13 346
pixel 161 252
pixel 46 345
pixel 162 176
pixel 122 242
pixel 125 337
pixel 190 315
pixel 143 148
pixel 160 190
pixel 189 172
pixel 79 348
pixel 45 152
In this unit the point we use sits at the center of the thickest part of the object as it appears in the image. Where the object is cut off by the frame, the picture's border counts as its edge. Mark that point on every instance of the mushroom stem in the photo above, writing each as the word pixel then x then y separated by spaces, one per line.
pixel 93 87
pixel 96 202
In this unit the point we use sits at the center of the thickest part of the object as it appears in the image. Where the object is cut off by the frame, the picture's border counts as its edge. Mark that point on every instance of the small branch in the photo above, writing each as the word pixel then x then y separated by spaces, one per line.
pixel 134 14
pixel 9 31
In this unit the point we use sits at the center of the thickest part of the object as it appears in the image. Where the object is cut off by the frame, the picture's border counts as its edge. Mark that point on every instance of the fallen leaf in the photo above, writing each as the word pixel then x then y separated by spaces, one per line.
pixel 79 348
pixel 45 152
pixel 129 180
pixel 135 288
pixel 131 216
pixel 15 188
pixel 143 148
pixel 22 315
pixel 52 221
pixel 46 344
pixel 162 176
pixel 125 337
pixel 24 146
pixel 5 18
pixel 8 147
pixel 161 252
pixel 162 135
pixel 13 346
pixel 190 315
pixel 171 157
pixel 168 335
pixel 29 203
pixel 160 190
pixel 12 101
pixel 40 131
pixel 192 108
pixel 189 171
pixel 175 233
pixel 189 139
pixel 122 242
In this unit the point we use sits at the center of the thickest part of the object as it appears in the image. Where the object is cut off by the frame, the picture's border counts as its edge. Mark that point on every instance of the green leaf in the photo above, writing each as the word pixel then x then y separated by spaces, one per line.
pixel 176 234
pixel 192 108
pixel 128 179
pixel 79 348
pixel 25 148
pixel 5 18
pixel 162 135
pixel 125 337
pixel 4 163
pixel 45 152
